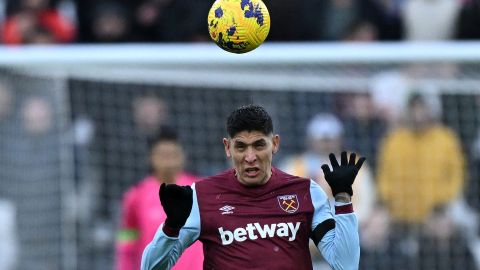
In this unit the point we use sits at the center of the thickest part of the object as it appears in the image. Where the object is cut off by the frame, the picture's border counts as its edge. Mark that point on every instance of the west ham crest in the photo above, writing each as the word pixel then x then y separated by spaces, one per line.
pixel 288 203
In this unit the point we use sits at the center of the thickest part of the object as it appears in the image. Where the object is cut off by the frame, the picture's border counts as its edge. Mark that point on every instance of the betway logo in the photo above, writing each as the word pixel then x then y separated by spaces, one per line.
pixel 255 230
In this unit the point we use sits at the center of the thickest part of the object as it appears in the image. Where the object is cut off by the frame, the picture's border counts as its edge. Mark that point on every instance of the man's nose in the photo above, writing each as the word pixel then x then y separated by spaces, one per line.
pixel 251 156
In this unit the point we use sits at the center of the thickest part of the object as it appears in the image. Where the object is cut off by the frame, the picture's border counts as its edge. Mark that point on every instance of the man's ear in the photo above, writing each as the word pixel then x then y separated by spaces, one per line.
pixel 226 144
pixel 276 143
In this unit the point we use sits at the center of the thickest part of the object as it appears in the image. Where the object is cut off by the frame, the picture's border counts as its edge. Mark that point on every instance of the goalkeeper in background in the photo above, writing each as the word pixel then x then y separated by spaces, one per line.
pixel 141 210
pixel 255 216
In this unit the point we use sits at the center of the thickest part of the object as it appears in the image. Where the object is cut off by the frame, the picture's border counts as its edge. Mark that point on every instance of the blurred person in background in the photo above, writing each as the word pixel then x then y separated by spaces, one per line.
pixel 333 20
pixel 389 91
pixel 8 226
pixel 141 121
pixel 442 245
pixel 364 129
pixel 168 20
pixel 36 21
pixel 325 135
pixel 466 27
pixel 142 212
pixel 33 172
pixel 430 19
pixel 122 155
pixel 142 21
pixel 149 113
pixel 420 167
pixel 106 22
pixel 361 31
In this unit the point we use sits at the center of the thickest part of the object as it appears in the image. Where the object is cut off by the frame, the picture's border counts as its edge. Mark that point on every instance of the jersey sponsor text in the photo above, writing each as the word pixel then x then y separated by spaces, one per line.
pixel 254 230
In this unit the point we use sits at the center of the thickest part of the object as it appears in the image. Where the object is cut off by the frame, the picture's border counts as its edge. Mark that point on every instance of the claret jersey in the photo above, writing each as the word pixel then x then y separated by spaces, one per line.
pixel 264 227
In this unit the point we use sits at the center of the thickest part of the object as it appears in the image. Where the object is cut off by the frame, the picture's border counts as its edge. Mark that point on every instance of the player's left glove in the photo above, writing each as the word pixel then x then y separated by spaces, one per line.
pixel 177 204
pixel 342 176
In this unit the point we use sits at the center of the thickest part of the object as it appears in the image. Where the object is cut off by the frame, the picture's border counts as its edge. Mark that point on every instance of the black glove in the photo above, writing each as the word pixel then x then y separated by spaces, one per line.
pixel 342 176
pixel 177 204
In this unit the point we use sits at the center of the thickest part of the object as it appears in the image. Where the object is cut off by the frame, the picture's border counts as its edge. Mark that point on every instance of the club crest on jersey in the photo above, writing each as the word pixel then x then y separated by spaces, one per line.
pixel 288 203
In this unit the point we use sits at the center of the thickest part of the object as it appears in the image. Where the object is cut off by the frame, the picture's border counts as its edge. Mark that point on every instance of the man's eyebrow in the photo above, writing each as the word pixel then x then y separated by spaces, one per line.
pixel 262 140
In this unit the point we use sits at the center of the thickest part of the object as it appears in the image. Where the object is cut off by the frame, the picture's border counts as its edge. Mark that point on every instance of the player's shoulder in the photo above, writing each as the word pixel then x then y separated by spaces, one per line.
pixel 286 177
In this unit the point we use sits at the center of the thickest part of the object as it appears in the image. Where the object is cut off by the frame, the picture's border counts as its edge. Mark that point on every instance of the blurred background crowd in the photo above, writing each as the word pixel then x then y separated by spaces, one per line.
pixel 112 21
pixel 417 198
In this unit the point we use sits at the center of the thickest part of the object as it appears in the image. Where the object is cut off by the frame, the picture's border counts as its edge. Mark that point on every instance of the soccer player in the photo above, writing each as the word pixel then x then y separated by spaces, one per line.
pixel 142 213
pixel 255 216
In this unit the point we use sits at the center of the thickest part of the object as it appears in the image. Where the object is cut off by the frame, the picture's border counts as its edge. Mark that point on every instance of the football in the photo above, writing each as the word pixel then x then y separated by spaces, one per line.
pixel 238 26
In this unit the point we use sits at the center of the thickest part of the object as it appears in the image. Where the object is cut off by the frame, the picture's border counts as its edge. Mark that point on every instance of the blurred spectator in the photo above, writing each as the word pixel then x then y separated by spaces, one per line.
pixel 468 21
pixel 378 247
pixel 420 167
pixel 389 91
pixel 37 115
pixel 36 22
pixel 109 22
pixel 324 136
pixel 363 127
pixel 9 236
pixel 33 174
pixel 336 20
pixel 442 245
pixel 142 21
pixel 386 16
pixel 142 212
pixel 146 116
pixel 121 151
pixel 361 31
pixel 149 113
pixel 430 19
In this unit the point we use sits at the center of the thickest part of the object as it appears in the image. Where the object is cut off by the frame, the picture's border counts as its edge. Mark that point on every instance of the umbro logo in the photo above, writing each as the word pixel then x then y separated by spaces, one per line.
pixel 227 209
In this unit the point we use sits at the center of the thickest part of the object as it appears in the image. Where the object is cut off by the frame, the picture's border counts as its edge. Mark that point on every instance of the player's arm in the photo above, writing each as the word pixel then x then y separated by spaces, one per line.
pixel 336 235
pixel 180 230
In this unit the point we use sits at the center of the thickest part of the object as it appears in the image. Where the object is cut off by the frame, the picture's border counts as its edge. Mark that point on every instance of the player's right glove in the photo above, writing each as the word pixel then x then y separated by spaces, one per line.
pixel 341 178
pixel 177 204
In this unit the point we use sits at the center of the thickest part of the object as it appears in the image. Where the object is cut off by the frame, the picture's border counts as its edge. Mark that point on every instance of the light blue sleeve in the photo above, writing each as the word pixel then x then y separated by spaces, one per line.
pixel 164 251
pixel 340 246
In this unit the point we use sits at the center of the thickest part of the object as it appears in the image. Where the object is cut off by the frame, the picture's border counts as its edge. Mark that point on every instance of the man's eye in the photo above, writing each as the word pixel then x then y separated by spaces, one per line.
pixel 260 145
pixel 240 146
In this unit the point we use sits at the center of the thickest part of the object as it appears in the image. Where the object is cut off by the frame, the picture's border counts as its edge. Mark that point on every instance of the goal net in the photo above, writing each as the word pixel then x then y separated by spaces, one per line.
pixel 75 123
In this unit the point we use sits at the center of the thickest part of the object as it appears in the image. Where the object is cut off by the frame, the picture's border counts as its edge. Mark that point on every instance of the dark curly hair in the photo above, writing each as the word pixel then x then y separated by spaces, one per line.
pixel 249 118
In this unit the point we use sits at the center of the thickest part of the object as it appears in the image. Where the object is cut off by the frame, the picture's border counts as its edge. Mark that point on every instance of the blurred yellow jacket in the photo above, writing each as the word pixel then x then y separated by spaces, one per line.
pixel 418 171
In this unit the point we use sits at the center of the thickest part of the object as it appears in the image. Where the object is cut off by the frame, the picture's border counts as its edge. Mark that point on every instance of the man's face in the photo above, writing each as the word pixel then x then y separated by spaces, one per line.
pixel 167 159
pixel 251 153
pixel 419 115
